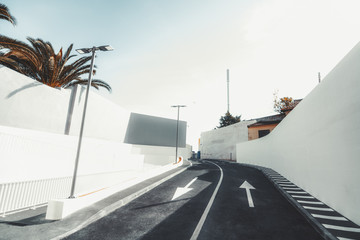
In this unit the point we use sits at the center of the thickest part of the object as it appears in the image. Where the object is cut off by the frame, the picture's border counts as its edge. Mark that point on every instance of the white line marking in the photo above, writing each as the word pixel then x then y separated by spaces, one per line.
pixel 347 229
pixel 207 209
pixel 286 185
pixel 320 209
pixel 282 181
pixel 292 188
pixel 298 196
pixel 182 190
pixel 310 202
pixel 342 238
pixel 329 217
pixel 300 192
pixel 248 186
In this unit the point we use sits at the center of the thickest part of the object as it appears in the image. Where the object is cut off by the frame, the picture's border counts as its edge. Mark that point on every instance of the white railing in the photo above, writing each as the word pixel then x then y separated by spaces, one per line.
pixel 18 196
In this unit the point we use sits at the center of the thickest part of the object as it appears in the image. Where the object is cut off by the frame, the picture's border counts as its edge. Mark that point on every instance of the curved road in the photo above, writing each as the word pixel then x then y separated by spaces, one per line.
pixel 206 202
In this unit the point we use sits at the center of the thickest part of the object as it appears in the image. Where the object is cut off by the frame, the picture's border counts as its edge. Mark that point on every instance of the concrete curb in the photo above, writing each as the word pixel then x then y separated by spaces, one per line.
pixel 118 204
pixel 313 222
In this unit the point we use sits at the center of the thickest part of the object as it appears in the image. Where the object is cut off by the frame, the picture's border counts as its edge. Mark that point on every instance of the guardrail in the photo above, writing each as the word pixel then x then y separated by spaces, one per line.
pixel 19 196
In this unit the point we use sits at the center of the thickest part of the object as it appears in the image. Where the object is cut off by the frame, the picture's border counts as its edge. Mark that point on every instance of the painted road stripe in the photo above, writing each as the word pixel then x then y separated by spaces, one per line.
pixel 298 196
pixel 299 192
pixel 319 209
pixel 329 217
pixel 207 209
pixel 310 202
pixel 347 229
pixel 342 238
pixel 292 188
pixel 286 185
pixel 282 181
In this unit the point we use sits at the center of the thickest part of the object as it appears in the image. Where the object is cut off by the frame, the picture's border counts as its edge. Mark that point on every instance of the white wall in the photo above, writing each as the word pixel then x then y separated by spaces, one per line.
pixel 32 141
pixel 221 143
pixel 25 103
pixel 317 146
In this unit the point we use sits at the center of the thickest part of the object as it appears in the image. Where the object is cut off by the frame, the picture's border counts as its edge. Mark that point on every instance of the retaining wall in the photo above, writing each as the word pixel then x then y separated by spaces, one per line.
pixel 317 146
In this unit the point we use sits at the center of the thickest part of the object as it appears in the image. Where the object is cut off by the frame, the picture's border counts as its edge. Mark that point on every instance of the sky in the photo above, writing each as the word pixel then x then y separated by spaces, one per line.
pixel 177 52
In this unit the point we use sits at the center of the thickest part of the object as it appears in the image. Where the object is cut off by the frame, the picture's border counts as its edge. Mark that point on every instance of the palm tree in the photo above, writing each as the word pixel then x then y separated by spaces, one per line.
pixel 40 62
pixel 5 14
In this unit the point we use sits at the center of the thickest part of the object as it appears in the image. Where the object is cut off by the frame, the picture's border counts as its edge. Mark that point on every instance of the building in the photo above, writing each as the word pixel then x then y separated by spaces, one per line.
pixel 263 126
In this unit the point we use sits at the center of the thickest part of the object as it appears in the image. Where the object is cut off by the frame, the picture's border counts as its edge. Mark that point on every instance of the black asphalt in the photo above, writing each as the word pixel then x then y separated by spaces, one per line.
pixel 155 216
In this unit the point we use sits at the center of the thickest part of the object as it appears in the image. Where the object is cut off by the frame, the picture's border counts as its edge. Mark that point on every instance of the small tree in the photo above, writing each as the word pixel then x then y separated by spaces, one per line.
pixel 284 104
pixel 228 119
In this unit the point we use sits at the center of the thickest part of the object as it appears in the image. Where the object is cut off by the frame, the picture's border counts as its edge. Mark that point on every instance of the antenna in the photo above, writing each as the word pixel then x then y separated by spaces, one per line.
pixel 228 83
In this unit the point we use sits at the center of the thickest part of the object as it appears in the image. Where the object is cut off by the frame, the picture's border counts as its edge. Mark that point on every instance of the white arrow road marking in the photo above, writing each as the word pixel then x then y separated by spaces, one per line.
pixel 181 191
pixel 247 187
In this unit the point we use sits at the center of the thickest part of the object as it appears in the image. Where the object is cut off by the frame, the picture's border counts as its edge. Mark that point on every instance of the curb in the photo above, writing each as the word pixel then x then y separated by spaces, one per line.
pixel 118 204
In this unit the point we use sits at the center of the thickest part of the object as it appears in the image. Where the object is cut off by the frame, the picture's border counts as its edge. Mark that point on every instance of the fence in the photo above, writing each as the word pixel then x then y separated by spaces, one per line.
pixel 31 194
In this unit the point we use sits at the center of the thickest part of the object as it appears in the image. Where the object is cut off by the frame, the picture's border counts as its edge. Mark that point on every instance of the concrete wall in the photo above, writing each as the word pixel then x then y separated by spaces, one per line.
pixel 155 131
pixel 317 146
pixel 33 146
pixel 221 143
pixel 25 103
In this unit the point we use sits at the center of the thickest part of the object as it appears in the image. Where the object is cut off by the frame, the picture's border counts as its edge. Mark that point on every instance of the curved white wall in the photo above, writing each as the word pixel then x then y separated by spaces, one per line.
pixel 317 146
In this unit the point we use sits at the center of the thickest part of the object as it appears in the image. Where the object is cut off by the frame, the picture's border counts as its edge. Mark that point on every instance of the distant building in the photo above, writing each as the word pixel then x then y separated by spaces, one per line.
pixel 263 126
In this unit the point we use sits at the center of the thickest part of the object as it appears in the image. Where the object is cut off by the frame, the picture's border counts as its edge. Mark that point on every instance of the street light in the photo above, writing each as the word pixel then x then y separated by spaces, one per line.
pixel 177 129
pixel 82 51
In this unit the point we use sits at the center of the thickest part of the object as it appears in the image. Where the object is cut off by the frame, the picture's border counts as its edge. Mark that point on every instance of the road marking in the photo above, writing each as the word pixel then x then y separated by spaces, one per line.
pixel 298 196
pixel 342 238
pixel 310 202
pixel 292 188
pixel 282 181
pixel 207 209
pixel 329 217
pixel 319 209
pixel 286 185
pixel 248 186
pixel 182 190
pixel 300 192
pixel 347 229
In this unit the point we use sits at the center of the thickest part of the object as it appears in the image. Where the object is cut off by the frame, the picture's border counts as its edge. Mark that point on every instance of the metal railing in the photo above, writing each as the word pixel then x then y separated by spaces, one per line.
pixel 18 196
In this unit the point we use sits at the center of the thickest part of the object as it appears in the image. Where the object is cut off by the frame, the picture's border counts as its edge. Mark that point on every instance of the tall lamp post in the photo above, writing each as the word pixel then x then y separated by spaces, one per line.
pixel 177 130
pixel 82 51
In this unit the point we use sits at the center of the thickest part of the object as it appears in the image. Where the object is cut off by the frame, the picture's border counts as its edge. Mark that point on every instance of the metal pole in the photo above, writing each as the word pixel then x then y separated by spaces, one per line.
pixel 82 124
pixel 177 133
pixel 228 98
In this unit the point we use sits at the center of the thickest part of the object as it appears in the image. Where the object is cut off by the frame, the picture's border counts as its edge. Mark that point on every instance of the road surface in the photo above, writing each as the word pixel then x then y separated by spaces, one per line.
pixel 210 200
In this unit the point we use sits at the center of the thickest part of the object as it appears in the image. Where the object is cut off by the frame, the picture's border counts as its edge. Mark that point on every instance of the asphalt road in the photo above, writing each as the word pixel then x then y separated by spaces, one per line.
pixel 209 205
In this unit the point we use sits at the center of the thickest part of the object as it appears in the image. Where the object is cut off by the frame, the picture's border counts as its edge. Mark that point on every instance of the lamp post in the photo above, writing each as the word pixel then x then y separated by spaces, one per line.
pixel 177 130
pixel 82 51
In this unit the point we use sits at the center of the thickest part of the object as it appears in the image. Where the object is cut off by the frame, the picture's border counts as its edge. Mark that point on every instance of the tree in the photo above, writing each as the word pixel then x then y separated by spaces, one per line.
pixel 5 14
pixel 284 104
pixel 228 119
pixel 40 62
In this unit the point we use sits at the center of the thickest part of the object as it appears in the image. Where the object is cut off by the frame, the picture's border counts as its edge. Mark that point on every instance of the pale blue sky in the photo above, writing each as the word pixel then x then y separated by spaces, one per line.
pixel 177 52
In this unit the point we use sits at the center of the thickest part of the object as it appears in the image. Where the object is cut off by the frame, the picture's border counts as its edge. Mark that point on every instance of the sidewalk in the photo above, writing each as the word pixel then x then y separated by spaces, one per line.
pixel 31 224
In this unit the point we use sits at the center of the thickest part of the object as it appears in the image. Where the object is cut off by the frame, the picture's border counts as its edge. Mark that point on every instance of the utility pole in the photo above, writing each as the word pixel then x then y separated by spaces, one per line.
pixel 177 130
pixel 228 97
pixel 319 77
